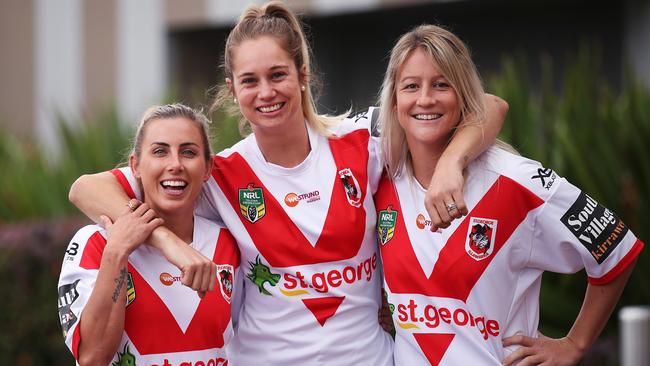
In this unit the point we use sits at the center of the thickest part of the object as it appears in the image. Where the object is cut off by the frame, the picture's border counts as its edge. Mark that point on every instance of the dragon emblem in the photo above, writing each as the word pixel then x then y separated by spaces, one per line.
pixel 260 274
pixel 125 358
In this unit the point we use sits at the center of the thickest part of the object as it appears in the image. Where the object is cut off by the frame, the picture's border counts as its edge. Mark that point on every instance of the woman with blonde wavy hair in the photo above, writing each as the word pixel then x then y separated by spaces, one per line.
pixel 469 293
pixel 297 195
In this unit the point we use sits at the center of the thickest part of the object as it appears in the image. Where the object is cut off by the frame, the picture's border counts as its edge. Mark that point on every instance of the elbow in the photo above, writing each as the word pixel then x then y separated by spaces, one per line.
pixel 502 107
pixel 74 196
pixel 90 358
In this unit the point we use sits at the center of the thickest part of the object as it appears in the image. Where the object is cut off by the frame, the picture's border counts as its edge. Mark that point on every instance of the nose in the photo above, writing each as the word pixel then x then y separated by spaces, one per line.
pixel 426 97
pixel 267 91
pixel 175 165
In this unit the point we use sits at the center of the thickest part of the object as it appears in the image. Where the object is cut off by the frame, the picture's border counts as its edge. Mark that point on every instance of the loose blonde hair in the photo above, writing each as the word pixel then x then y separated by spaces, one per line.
pixel 273 19
pixel 453 58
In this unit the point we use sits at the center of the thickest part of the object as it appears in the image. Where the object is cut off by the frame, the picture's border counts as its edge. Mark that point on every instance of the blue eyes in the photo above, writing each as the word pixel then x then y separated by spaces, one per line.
pixel 160 152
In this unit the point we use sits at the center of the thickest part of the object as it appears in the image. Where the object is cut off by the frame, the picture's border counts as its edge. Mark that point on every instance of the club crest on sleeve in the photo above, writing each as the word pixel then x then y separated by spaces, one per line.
pixel 351 186
pixel 386 224
pixel 251 203
pixel 226 279
pixel 480 237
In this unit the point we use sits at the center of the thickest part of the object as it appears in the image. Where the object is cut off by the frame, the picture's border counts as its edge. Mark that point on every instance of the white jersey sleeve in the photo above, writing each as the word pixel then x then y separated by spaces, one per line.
pixel 572 230
pixel 367 120
pixel 75 285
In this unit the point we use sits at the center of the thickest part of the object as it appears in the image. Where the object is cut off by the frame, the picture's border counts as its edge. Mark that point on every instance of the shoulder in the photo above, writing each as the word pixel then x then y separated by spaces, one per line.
pixel 526 172
pixel 364 120
pixel 92 237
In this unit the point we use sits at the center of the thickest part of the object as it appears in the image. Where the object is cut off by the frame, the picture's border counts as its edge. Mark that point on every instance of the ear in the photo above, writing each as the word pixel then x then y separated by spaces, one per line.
pixel 304 75
pixel 229 85
pixel 208 170
pixel 133 163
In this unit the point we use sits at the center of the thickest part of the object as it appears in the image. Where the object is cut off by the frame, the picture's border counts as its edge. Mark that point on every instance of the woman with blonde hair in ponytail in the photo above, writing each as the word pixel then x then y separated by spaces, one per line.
pixel 297 195
pixel 469 294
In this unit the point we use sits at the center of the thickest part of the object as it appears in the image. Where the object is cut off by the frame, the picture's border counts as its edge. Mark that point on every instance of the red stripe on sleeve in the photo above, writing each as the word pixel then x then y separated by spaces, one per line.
pixel 92 255
pixel 124 183
pixel 76 339
pixel 620 267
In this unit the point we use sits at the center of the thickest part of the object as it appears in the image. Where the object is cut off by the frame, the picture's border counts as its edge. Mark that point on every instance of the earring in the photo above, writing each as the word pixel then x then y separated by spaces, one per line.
pixel 234 100
pixel 302 87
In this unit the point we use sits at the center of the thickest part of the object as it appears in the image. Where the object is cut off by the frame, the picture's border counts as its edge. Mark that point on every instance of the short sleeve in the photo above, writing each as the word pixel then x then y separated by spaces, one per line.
pixel 77 280
pixel 573 231
pixel 367 120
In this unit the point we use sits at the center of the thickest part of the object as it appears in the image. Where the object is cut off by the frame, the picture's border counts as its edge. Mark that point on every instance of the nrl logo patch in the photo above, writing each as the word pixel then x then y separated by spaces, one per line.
pixel 251 203
pixel 352 189
pixel 386 225
pixel 480 237
pixel 130 290
pixel 226 277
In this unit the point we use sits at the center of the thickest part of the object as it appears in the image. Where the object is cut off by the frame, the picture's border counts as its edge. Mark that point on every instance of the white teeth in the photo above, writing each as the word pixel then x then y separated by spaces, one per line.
pixel 272 108
pixel 173 183
pixel 428 116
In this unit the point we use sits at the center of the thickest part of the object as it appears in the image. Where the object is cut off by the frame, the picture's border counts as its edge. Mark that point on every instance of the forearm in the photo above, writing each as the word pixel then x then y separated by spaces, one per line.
pixel 102 322
pixel 471 138
pixel 597 307
pixel 101 194
pixel 98 194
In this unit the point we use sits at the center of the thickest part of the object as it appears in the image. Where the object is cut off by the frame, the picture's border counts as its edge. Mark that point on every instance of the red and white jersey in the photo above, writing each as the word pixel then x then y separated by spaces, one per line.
pixel 166 323
pixel 309 252
pixel 457 292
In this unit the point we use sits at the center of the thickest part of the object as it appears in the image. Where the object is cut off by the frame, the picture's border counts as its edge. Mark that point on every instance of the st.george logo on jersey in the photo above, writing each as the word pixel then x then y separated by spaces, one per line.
pixel 251 203
pixel 352 189
pixel 480 237
pixel 386 225
pixel 225 272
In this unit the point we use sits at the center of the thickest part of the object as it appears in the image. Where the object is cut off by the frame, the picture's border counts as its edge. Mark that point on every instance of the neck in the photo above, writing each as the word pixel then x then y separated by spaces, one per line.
pixel 424 158
pixel 286 149
pixel 180 223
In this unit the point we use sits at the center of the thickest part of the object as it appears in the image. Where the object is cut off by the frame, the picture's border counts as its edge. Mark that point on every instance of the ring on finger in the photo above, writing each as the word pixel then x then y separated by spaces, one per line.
pixel 451 206
pixel 132 205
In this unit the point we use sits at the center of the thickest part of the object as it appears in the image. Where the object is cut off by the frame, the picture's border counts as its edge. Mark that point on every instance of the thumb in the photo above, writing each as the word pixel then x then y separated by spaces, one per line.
pixel 105 221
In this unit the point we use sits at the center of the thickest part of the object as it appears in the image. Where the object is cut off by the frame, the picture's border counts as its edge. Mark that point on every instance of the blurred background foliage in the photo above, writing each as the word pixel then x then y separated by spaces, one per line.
pixel 595 136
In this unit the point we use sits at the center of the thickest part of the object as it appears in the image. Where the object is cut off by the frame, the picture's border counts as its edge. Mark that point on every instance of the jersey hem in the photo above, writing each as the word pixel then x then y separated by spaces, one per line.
pixel 620 267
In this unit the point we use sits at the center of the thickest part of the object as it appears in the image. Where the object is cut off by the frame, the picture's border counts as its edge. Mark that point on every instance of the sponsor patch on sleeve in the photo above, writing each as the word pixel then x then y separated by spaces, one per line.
pixel 67 296
pixel 597 228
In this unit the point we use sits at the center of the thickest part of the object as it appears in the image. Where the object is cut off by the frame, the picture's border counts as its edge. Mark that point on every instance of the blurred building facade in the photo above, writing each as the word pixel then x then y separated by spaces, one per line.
pixel 66 58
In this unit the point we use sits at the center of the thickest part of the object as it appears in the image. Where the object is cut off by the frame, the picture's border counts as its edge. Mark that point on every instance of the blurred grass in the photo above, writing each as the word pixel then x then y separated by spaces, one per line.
pixel 599 140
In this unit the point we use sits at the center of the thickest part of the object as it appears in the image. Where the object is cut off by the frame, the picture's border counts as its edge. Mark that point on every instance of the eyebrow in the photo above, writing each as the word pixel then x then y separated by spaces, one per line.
pixel 272 68
pixel 436 77
pixel 157 143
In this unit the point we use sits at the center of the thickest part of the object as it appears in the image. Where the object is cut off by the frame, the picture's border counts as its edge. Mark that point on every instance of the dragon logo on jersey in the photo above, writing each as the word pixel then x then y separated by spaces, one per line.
pixel 260 274
pixel 225 272
pixel 480 237
pixel 67 296
pixel 386 225
pixel 125 358
pixel 130 290
pixel 251 203
pixel 352 189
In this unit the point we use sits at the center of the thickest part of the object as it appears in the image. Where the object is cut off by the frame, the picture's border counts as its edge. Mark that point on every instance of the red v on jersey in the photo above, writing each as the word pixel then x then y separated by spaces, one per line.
pixel 323 307
pixel 455 272
pixel 152 328
pixel 278 238
pixel 434 346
